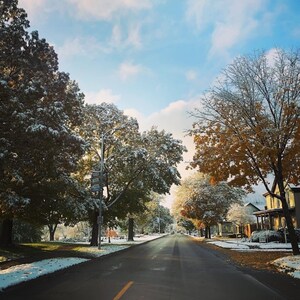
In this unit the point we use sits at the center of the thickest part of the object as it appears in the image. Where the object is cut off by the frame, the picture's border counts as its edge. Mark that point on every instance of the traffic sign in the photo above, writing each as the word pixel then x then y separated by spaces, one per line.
pixel 95 188
pixel 95 180
pixel 95 174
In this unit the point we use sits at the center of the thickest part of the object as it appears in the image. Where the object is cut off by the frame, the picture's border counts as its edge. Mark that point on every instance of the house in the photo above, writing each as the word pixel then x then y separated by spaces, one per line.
pixel 251 226
pixel 231 229
pixel 272 216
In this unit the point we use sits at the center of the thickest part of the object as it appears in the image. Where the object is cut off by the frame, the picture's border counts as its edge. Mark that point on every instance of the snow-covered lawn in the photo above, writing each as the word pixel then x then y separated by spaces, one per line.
pixel 288 264
pixel 24 272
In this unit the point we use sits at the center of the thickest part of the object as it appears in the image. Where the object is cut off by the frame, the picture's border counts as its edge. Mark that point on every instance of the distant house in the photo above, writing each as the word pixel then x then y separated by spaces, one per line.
pixel 230 229
pixel 272 216
pixel 249 228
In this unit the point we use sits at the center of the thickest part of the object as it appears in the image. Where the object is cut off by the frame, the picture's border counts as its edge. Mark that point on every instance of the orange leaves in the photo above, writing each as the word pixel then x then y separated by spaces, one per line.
pixel 250 124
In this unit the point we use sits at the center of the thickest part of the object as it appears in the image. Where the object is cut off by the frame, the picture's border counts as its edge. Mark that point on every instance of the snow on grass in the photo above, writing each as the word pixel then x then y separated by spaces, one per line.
pixel 105 249
pixel 289 265
pixel 227 245
pixel 24 272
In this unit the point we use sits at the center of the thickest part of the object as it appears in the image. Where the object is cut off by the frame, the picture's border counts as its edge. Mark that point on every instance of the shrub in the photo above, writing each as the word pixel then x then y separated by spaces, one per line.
pixel 267 236
pixel 297 231
pixel 24 232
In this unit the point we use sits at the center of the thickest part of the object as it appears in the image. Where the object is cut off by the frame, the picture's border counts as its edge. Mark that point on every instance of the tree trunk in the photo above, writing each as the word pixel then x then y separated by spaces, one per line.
pixel 6 234
pixel 52 229
pixel 130 229
pixel 94 237
pixel 206 231
pixel 290 227
pixel 288 218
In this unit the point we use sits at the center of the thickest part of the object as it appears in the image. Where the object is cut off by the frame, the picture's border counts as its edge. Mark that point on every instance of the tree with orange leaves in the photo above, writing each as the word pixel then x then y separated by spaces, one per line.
pixel 249 125
pixel 199 200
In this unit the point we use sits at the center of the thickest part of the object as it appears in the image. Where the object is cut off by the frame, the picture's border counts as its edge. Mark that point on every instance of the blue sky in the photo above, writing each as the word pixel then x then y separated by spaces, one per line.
pixel 154 58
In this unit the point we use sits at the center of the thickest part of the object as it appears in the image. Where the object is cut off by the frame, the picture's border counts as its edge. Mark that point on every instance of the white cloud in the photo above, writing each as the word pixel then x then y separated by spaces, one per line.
pixel 272 55
pixel 132 112
pixel 232 20
pixel 80 46
pixel 38 10
pixel 196 13
pixel 32 6
pixel 128 69
pixel 107 9
pixel 191 75
pixel 116 36
pixel 126 37
pixel 134 37
pixel 174 119
pixel 104 95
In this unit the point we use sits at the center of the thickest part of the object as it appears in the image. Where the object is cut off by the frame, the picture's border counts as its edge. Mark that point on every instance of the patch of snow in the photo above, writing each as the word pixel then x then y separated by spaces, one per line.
pixel 227 245
pixel 25 272
pixel 289 265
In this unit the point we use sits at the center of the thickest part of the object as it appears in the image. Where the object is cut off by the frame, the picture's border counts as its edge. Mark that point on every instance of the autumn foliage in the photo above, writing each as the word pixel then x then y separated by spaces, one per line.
pixel 248 125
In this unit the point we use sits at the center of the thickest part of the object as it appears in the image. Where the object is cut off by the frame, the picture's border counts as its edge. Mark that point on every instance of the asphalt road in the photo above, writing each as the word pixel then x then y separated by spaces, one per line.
pixel 172 267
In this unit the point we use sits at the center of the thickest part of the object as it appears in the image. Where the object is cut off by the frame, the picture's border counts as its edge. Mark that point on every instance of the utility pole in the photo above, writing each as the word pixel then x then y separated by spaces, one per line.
pixel 101 190
pixel 98 183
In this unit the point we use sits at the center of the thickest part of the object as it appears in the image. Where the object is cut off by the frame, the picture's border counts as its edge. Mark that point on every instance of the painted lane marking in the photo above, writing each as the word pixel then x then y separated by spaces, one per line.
pixel 123 290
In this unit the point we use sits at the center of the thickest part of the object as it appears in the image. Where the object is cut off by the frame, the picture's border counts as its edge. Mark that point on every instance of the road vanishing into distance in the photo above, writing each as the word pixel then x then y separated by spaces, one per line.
pixel 172 267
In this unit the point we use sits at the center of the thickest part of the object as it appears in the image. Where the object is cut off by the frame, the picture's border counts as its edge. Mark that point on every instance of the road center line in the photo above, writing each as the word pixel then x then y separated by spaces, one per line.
pixel 123 290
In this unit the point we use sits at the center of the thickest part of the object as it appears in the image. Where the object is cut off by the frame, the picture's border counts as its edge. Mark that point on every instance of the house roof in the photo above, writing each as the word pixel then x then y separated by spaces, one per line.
pixel 273 211
pixel 293 187
pixel 251 204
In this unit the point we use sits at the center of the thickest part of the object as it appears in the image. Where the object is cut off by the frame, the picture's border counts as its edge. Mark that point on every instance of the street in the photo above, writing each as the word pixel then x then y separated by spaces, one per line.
pixel 172 267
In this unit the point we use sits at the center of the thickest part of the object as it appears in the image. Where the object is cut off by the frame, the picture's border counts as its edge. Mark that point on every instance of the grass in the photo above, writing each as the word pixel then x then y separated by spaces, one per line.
pixel 8 255
pixel 24 250
pixel 252 259
pixel 50 249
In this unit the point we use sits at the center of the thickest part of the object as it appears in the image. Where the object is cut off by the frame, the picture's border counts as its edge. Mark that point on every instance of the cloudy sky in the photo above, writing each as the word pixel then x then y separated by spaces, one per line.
pixel 154 58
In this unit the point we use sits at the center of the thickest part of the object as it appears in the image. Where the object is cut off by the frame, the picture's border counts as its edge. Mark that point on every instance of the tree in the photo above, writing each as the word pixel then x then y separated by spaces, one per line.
pixel 106 124
pixel 154 218
pixel 239 214
pixel 40 111
pixel 135 163
pixel 56 202
pixel 187 224
pixel 205 201
pixel 24 232
pixel 248 126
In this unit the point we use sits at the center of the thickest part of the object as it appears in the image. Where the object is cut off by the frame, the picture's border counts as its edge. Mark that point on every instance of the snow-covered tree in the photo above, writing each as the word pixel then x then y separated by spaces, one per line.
pixel 248 126
pixel 206 201
pixel 106 125
pixel 40 111
pixel 155 217
pixel 135 163
pixel 240 215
